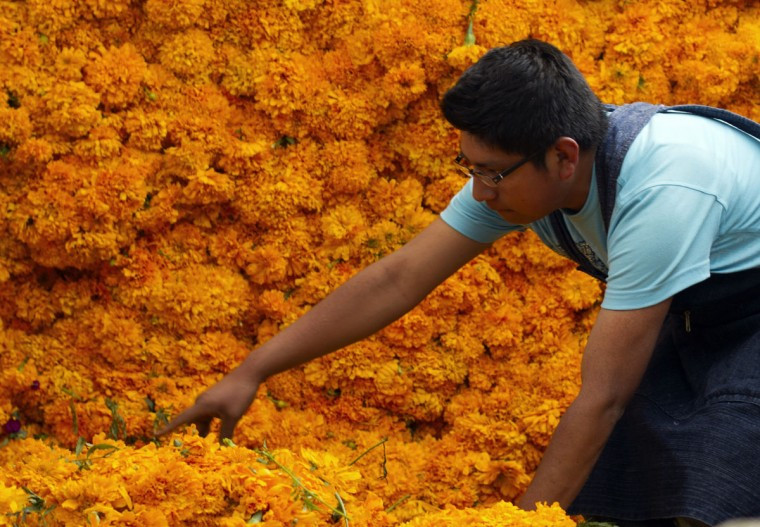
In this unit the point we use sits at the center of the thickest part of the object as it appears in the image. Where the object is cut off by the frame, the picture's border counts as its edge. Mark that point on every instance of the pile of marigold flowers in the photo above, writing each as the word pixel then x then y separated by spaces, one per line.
pixel 181 179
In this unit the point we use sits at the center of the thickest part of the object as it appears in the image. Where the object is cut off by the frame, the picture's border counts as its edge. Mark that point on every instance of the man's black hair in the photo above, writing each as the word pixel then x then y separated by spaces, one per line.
pixel 521 98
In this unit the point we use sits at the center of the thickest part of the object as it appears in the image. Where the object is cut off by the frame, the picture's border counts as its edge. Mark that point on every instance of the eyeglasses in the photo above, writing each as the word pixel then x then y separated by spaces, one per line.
pixel 490 178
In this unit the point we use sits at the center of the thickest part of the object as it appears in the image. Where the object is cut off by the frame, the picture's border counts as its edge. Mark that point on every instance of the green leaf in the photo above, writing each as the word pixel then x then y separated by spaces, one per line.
pixel 13 100
pixel 23 363
pixel 469 38
pixel 74 419
pixel 256 518
pixel 71 393
pixel 118 428
pixel 284 142
pixel 277 402
pixel 80 445
pixel 101 446
pixel 398 502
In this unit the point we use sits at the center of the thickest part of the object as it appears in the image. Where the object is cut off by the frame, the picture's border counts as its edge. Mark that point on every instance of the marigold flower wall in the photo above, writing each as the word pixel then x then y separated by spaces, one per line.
pixel 181 179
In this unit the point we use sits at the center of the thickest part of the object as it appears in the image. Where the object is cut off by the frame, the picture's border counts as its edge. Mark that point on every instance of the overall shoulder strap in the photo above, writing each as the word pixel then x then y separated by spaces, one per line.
pixel 625 123
pixel 565 240
pixel 748 126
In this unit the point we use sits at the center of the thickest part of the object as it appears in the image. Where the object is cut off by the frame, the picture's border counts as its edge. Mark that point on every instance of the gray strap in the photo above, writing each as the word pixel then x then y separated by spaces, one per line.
pixel 748 126
pixel 625 123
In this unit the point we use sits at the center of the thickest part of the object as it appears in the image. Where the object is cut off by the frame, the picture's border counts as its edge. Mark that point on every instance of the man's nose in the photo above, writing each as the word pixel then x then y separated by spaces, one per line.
pixel 481 191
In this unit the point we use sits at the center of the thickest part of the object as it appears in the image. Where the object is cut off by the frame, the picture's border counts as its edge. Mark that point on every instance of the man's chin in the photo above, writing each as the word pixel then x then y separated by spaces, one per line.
pixel 514 217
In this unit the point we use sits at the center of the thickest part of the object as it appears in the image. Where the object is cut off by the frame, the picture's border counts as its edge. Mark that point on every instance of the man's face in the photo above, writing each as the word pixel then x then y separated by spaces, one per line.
pixel 525 195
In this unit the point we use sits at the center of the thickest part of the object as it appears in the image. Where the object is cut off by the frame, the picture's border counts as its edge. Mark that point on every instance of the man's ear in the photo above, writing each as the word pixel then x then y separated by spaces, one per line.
pixel 568 154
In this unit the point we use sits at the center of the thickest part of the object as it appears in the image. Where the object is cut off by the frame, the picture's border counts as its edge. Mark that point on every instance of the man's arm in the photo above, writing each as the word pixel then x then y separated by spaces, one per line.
pixel 366 303
pixel 369 301
pixel 618 351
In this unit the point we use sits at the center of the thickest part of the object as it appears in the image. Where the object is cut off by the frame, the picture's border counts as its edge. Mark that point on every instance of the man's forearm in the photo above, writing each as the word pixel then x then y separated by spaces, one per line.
pixel 368 302
pixel 614 362
pixel 365 304
pixel 574 449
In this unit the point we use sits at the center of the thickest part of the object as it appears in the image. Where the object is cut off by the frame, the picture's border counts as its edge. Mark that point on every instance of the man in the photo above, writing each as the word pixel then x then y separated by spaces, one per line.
pixel 679 321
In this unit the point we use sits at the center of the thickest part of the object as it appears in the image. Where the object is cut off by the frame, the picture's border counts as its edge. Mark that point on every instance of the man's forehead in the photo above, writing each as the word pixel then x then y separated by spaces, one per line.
pixel 477 153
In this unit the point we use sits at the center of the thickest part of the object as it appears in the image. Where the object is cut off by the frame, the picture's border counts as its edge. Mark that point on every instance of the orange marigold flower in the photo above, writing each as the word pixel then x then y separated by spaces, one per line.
pixel 502 513
pixel 217 299
pixel 72 109
pixel 69 64
pixel 147 130
pixel 52 15
pixel 207 187
pixel 464 56
pixel 12 498
pixel 404 83
pixel 239 76
pixel 103 142
pixel 116 74
pixel 189 55
pixel 174 14
pixel 15 126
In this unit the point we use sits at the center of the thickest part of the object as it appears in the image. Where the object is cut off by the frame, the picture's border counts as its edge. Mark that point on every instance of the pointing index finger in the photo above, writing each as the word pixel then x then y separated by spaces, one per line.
pixel 183 418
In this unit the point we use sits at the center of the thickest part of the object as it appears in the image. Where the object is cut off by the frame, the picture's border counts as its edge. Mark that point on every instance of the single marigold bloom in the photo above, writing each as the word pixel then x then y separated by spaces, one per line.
pixel 189 55
pixel 69 64
pixel 116 74
pixel 72 109
pixel 239 76
pixel 12 498
pixel 464 56
pixel 101 143
pixel 15 126
pixel 51 16
pixel 175 14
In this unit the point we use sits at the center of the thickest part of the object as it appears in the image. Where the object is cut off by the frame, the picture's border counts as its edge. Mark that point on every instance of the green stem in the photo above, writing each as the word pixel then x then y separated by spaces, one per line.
pixel 469 38
pixel 297 483
pixel 399 502
pixel 370 449
pixel 74 420
pixel 342 508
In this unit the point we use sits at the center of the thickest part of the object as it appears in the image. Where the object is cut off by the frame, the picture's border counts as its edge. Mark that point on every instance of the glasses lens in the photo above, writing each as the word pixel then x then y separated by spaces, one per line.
pixel 483 178
pixel 464 170
pixel 467 170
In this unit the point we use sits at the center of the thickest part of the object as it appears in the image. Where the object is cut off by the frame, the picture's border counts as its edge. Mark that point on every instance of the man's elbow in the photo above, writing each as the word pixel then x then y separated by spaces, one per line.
pixel 607 406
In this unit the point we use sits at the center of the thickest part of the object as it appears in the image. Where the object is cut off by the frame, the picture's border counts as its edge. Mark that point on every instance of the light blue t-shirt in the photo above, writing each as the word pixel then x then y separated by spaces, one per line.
pixel 687 205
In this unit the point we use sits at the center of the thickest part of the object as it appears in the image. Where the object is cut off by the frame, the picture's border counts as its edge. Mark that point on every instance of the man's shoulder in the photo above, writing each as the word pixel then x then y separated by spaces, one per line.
pixel 686 150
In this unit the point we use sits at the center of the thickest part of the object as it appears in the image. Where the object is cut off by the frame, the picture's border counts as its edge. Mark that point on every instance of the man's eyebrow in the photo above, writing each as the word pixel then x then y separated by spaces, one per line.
pixel 487 165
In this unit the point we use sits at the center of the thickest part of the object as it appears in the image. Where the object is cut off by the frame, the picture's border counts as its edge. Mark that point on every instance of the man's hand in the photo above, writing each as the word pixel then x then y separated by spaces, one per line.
pixel 366 303
pixel 227 400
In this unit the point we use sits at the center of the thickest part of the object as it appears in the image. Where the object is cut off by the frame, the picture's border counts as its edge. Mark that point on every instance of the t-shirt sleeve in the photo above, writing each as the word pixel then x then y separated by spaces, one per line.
pixel 659 244
pixel 474 219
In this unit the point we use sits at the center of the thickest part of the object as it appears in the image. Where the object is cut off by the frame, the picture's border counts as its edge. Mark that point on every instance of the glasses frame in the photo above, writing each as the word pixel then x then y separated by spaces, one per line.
pixel 494 180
